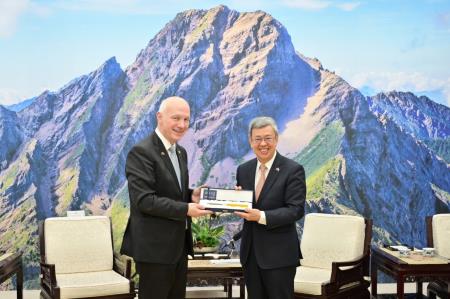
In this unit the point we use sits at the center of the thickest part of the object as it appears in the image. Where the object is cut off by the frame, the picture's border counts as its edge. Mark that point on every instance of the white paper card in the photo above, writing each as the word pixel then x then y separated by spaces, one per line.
pixel 78 213
pixel 227 261
pixel 399 247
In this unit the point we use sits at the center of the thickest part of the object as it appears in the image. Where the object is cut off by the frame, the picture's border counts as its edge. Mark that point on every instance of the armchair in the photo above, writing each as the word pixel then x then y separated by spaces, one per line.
pixel 77 260
pixel 336 254
pixel 438 236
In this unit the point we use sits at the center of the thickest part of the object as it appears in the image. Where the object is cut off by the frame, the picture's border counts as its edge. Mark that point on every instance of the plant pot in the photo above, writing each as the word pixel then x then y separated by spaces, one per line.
pixel 206 249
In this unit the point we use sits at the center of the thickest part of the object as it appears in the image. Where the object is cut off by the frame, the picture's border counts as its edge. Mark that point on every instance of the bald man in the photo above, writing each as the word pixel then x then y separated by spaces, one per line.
pixel 158 234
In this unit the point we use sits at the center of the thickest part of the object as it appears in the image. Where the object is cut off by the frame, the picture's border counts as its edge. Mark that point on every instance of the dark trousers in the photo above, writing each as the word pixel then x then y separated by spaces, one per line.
pixel 268 283
pixel 160 281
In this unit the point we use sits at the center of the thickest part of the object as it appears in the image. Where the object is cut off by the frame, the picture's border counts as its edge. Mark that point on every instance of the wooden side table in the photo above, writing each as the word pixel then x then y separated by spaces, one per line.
pixel 204 269
pixel 10 264
pixel 397 268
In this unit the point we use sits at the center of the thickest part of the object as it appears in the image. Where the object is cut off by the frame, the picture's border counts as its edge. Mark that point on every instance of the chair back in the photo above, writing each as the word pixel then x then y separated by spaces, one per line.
pixel 331 238
pixel 78 244
pixel 441 234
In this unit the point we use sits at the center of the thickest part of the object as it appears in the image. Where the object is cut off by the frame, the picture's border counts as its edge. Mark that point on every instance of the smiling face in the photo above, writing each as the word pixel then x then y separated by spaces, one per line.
pixel 173 119
pixel 264 143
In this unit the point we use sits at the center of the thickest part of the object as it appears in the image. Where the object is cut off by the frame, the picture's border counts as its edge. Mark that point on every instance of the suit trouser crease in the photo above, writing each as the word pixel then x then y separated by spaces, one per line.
pixel 261 283
pixel 163 281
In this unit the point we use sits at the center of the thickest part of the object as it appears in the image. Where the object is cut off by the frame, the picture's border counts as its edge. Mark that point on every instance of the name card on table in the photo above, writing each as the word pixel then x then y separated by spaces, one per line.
pixel 226 200
pixel 77 213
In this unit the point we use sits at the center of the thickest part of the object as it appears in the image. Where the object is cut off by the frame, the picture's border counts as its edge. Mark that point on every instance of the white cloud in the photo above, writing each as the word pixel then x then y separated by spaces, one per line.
pixel 308 4
pixel 10 96
pixel 132 7
pixel 443 21
pixel 321 4
pixel 348 6
pixel 10 11
pixel 446 91
pixel 96 5
pixel 401 81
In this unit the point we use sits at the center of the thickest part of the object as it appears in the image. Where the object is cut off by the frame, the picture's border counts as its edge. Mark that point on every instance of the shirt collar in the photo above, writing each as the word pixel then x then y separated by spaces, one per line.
pixel 164 140
pixel 268 164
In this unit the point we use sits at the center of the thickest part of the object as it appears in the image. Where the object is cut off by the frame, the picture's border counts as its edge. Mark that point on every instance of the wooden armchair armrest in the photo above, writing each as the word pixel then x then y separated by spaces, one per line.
pixel 48 278
pixel 347 272
pixel 122 265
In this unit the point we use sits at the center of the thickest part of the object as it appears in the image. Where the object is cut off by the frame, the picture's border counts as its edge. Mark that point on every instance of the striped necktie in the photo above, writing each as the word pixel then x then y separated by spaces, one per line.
pixel 176 165
pixel 262 179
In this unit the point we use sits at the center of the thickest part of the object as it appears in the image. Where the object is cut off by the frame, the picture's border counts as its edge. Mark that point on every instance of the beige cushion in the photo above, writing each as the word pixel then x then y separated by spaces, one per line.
pixel 79 244
pixel 331 238
pixel 81 285
pixel 310 280
pixel 441 234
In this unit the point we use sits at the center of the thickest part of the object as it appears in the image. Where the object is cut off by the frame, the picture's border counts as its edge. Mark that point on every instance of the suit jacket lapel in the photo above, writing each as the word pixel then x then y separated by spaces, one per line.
pixel 271 177
pixel 251 176
pixel 165 157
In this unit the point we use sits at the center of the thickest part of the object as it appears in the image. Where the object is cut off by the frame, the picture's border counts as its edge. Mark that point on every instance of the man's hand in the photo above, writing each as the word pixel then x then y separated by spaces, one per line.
pixel 197 210
pixel 250 214
pixel 195 197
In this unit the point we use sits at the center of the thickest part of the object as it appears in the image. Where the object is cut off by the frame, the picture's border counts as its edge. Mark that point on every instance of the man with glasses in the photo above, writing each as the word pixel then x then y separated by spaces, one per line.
pixel 270 250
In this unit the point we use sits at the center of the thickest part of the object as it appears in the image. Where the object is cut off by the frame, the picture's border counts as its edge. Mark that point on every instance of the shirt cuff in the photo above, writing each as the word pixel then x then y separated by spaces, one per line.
pixel 262 219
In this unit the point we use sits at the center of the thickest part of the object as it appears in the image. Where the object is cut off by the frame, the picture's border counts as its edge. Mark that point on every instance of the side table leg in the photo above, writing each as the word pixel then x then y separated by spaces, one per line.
pixel 400 287
pixel 373 277
pixel 19 280
pixel 241 288
pixel 419 288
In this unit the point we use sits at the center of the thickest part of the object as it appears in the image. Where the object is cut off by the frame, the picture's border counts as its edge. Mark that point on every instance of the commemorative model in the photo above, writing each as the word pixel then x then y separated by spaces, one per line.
pixel 225 200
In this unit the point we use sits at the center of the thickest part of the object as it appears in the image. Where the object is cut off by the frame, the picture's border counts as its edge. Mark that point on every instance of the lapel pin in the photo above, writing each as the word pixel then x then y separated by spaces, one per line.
pixel 179 152
pixel 277 169
pixel 163 154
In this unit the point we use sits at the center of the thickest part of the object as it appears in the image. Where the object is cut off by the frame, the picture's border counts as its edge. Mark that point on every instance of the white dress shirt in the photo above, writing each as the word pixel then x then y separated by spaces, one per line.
pixel 164 140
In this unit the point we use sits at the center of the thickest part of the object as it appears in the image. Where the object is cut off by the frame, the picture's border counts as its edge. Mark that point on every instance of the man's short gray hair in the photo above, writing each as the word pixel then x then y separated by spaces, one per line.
pixel 164 102
pixel 261 122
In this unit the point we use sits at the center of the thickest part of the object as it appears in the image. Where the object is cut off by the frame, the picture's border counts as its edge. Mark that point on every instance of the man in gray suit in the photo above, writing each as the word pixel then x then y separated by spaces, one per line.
pixel 158 234
pixel 270 250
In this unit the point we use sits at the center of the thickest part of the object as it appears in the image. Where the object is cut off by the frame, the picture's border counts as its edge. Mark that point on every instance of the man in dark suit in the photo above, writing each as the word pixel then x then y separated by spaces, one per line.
pixel 270 250
pixel 158 234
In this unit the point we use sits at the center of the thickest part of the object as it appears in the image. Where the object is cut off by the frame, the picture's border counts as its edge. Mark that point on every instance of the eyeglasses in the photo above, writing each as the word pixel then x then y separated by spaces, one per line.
pixel 258 140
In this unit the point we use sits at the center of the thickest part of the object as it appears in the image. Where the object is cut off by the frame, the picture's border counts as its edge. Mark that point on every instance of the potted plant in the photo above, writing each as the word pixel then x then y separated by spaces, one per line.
pixel 206 234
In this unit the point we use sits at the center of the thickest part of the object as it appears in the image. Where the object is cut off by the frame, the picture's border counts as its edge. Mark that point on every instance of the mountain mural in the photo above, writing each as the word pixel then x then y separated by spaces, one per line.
pixel 385 157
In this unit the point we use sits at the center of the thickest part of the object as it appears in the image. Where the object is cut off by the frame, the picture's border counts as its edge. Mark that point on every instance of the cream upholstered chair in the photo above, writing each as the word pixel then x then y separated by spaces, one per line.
pixel 77 260
pixel 336 253
pixel 438 236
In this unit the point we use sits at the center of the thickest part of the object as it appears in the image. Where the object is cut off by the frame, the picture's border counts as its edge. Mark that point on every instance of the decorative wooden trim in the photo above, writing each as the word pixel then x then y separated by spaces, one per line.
pixel 429 229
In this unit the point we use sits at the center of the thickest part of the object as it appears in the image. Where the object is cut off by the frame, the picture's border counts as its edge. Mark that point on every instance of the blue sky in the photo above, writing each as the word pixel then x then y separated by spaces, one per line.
pixel 376 45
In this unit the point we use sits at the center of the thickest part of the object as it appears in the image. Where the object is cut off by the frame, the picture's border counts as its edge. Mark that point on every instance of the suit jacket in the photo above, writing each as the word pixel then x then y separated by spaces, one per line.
pixel 282 198
pixel 156 229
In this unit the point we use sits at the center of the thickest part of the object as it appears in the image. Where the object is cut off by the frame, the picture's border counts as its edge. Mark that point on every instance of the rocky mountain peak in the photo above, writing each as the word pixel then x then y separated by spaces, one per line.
pixel 11 136
pixel 5 112
pixel 420 116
